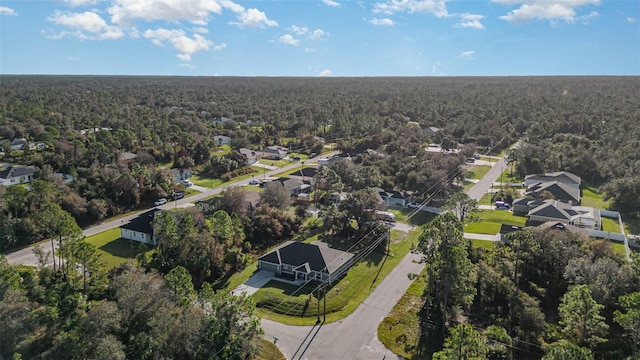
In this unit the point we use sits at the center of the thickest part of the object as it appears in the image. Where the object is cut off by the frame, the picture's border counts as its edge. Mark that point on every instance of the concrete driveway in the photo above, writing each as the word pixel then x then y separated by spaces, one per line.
pixel 258 280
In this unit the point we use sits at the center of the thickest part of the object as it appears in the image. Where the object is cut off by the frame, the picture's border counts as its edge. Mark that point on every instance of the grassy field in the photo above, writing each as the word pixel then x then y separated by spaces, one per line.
pixel 276 163
pixel 483 243
pixel 205 181
pixel 400 330
pixel 268 351
pixel 113 249
pixel 342 298
pixel 491 221
pixel 507 176
pixel 591 197
pixel 418 219
pixel 477 171
pixel 611 225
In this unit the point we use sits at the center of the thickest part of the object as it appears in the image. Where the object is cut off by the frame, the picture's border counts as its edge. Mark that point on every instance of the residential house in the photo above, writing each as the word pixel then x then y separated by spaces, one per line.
pixel 220 120
pixel 430 130
pixel 140 229
pixel 506 229
pixel 563 177
pixel 220 140
pixel 251 156
pixel 18 144
pixel 274 152
pixel 394 197
pixel 553 210
pixel 295 186
pixel 177 175
pixel 523 205
pixel 127 156
pixel 303 261
pixel 14 175
pixel 66 178
pixel 336 198
pixel 557 225
pixel 559 191
pixel 305 174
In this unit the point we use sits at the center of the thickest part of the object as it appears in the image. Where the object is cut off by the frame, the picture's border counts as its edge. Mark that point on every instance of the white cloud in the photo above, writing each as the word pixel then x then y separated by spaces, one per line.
pixel 331 3
pixel 7 11
pixel 309 50
pixel 325 72
pixel 200 30
pixel 86 25
pixel 298 30
pixel 185 45
pixel 289 40
pixel 467 55
pixel 437 8
pixel 470 21
pixel 187 65
pixel 75 3
pixel 382 22
pixel 630 19
pixel 254 18
pixel 219 47
pixel 551 10
pixel 73 58
pixel 318 34
pixel 125 12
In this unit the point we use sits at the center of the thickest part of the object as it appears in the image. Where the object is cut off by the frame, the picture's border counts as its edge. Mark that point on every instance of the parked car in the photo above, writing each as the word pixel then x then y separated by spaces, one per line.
pixel 160 201
pixel 312 155
pixel 415 205
pixel 186 183
pixel 254 182
pixel 178 195
pixel 502 205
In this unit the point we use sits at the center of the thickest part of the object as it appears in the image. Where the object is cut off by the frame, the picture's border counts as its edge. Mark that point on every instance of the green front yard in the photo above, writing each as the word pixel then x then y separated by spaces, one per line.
pixel 611 225
pixel 278 302
pixel 591 197
pixel 113 249
pixel 418 218
pixel 491 221
pixel 477 171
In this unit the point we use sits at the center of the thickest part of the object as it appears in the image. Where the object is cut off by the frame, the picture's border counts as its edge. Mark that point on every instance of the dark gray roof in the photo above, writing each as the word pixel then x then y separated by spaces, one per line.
pixel 306 172
pixel 317 256
pixel 560 176
pixel 558 225
pixel 552 209
pixel 15 171
pixel 142 223
pixel 559 191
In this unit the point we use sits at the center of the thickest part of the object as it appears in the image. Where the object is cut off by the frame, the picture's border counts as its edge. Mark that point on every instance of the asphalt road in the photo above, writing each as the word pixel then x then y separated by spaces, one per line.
pixel 26 257
pixel 356 336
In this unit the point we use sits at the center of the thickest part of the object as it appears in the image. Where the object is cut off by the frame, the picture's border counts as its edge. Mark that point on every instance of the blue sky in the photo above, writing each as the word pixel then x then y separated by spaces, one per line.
pixel 320 38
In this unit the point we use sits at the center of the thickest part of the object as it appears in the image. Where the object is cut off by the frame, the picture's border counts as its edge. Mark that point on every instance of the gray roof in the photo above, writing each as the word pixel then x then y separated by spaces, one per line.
pixel 142 223
pixel 560 176
pixel 559 190
pixel 316 256
pixel 15 171
pixel 558 225
pixel 552 209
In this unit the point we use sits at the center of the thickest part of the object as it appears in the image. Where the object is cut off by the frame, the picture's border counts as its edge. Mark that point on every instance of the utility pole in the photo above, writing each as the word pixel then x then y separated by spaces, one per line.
pixel 324 292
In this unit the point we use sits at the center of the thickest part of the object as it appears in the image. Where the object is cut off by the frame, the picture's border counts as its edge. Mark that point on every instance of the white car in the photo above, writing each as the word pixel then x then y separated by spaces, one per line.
pixel 159 202
pixel 187 183
pixel 415 205
pixel 254 182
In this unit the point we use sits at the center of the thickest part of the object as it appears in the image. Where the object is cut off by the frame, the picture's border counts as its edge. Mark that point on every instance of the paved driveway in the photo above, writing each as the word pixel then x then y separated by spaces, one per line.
pixel 258 280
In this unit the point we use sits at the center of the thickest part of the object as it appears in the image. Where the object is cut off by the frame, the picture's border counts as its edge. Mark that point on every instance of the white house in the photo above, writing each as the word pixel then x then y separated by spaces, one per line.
pixel 14 175
pixel 220 140
pixel 140 229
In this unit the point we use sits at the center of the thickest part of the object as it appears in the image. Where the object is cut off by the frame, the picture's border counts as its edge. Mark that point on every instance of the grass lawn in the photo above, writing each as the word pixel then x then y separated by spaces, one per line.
pixel 477 171
pixel 342 298
pixel 113 249
pixel 483 243
pixel 276 163
pixel 467 185
pixel 491 221
pixel 268 351
pixel 591 197
pixel 205 181
pixel 419 218
pixel 400 330
pixel 611 225
pixel 618 248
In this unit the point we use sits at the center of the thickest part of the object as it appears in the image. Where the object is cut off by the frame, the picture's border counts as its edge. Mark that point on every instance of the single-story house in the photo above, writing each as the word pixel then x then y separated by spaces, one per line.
pixel 506 229
pixel 557 211
pixel 251 156
pixel 14 175
pixel 295 186
pixel 140 229
pixel 336 198
pixel 394 197
pixel 18 144
pixel 557 225
pixel 274 152
pixel 430 130
pixel 177 175
pixel 220 140
pixel 314 261
pixel 560 191
pixel 563 177
pixel 126 156
pixel 219 120
pixel 523 205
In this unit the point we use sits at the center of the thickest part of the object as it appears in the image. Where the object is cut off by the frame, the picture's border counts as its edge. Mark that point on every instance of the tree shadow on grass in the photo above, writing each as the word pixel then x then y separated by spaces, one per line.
pixel 122 248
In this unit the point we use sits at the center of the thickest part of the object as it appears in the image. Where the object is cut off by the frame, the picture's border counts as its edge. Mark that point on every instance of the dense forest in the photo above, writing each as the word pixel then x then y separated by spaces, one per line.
pixel 89 127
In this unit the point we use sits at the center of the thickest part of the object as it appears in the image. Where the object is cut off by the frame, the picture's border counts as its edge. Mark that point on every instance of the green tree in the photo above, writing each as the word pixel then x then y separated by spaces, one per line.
pixel 463 343
pixel 629 317
pixel 498 343
pixel 580 317
pixel 275 195
pixel 452 276
pixel 461 205
pixel 565 350
pixel 180 282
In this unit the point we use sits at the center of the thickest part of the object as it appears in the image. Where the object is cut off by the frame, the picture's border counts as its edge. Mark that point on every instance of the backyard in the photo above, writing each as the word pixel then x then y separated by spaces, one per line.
pixel 113 249
pixel 491 220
